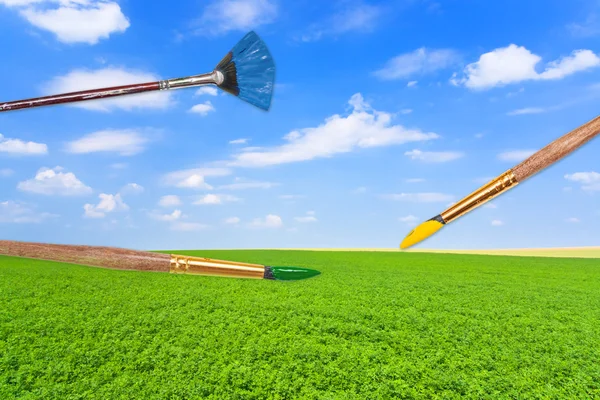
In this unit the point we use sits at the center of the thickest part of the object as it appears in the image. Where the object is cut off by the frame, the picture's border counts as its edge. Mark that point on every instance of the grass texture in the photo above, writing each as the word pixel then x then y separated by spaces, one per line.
pixel 376 325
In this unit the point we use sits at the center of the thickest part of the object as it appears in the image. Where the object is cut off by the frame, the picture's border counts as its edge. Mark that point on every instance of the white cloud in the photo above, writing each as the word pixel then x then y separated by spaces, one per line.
pixel 222 16
pixel 17 146
pixel 83 79
pixel 206 90
pixel 359 17
pixel 126 142
pixel 409 219
pixel 433 156
pixel 188 226
pixel 132 188
pixel 119 165
pixel 528 110
pixel 55 182
pixel 515 155
pixel 270 221
pixel 108 203
pixel 412 84
pixel 242 184
pixel 169 201
pixel 211 199
pixel 497 222
pixel 427 197
pixel 309 217
pixel 239 141
pixel 588 28
pixel 573 220
pixel 232 221
pixel 415 180
pixel 419 62
pixel 193 178
pixel 590 181
pixel 4 172
pixel 363 128
pixel 513 64
pixel 490 205
pixel 73 21
pixel 203 109
pixel 175 215
pixel 21 213
pixel 405 111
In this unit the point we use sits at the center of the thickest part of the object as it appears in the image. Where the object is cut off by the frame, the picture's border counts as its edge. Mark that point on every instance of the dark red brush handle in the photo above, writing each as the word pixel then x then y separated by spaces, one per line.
pixel 93 94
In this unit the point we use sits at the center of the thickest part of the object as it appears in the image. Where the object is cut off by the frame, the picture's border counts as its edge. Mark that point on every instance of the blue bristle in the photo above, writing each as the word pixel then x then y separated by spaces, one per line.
pixel 255 70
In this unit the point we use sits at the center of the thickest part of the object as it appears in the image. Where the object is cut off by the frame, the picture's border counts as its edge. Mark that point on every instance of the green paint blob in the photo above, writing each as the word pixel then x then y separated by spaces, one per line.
pixel 293 273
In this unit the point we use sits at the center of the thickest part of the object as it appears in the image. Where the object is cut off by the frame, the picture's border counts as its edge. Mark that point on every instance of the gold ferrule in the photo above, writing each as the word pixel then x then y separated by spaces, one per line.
pixel 211 267
pixel 480 196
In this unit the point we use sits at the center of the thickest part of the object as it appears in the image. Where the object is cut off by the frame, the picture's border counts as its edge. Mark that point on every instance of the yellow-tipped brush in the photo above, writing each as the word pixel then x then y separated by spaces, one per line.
pixel 547 156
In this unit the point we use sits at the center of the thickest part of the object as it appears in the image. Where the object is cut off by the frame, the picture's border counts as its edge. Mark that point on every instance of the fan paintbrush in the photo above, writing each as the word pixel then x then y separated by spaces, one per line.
pixel 125 259
pixel 247 72
pixel 540 160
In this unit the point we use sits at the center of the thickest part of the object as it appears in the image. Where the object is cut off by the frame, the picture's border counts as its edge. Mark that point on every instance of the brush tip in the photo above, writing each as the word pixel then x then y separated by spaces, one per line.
pixel 422 232
pixel 289 273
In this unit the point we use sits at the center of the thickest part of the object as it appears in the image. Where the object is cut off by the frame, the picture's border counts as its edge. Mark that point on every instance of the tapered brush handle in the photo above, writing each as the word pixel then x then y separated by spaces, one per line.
pixel 72 97
pixel 557 150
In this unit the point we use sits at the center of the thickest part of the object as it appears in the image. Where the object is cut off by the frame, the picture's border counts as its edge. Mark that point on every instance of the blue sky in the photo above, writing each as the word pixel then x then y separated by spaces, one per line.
pixel 384 113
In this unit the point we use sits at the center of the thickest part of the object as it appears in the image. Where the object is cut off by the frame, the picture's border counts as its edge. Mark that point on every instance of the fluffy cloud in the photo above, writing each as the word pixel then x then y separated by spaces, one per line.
pixel 108 203
pixel 590 181
pixel 206 90
pixel 193 178
pixel 126 142
pixel 419 62
pixel 21 213
pixel 309 217
pixel 211 199
pixel 17 146
pixel 223 16
pixel 232 221
pixel 433 156
pixel 359 17
pixel 169 201
pixel 242 184
pixel 497 222
pixel 239 141
pixel 270 221
pixel 73 21
pixel 54 181
pixel 573 220
pixel 514 64
pixel 515 155
pixel 203 109
pixel 363 128
pixel 174 216
pixel 410 220
pixel 427 197
pixel 132 188
pixel 83 79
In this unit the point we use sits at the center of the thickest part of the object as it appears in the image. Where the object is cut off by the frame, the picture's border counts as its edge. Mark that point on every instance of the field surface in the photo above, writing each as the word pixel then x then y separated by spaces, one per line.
pixel 374 325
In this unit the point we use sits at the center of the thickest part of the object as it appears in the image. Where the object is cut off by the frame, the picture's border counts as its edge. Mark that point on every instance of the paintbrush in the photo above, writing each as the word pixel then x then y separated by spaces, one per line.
pixel 124 259
pixel 247 71
pixel 545 157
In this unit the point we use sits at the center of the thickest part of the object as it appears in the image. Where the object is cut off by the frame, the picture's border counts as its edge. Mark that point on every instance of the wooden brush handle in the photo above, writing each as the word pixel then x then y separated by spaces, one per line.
pixel 72 97
pixel 106 257
pixel 557 150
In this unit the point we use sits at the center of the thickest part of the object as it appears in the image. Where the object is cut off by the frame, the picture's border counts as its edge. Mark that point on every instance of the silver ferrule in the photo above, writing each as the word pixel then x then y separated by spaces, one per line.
pixel 214 78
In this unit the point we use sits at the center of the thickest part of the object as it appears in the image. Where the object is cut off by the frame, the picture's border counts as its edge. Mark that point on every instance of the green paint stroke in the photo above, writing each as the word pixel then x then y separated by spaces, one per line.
pixel 293 273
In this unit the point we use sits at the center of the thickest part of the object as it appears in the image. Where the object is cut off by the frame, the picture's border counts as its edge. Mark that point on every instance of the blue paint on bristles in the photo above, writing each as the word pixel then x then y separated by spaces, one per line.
pixel 249 71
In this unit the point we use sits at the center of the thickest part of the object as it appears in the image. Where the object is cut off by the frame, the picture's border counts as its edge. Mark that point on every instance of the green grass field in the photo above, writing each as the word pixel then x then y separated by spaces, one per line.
pixel 378 325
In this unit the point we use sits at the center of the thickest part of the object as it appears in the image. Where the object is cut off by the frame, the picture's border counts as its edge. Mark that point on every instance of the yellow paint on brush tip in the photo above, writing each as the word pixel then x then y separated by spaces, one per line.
pixel 420 233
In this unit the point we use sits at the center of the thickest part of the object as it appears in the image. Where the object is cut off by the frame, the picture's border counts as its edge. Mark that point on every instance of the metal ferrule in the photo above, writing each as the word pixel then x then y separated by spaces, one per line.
pixel 207 266
pixel 215 78
pixel 480 196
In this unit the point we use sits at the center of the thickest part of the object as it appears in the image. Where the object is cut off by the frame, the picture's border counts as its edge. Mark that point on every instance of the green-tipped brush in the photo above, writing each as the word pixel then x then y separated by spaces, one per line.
pixel 116 258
